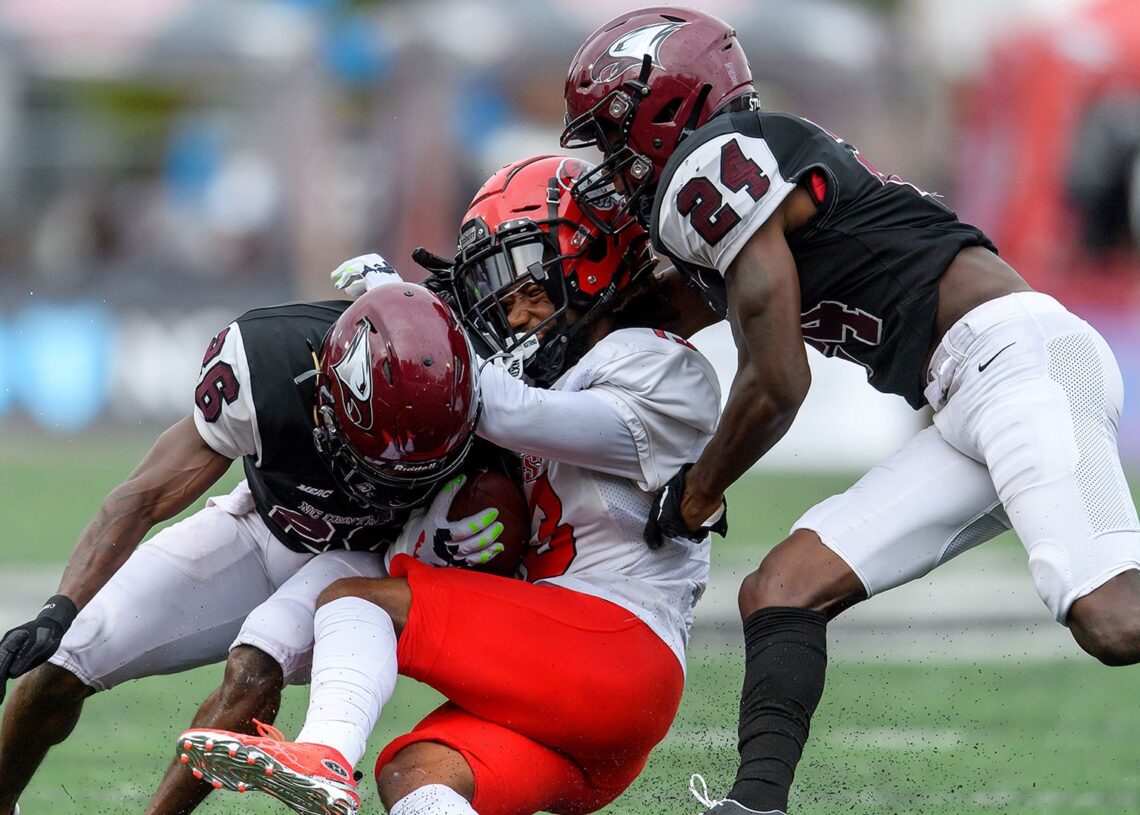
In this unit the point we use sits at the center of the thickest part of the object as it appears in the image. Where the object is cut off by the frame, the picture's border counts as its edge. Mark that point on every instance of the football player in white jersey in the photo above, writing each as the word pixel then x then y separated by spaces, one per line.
pixel 560 684
pixel 239 579
pixel 793 236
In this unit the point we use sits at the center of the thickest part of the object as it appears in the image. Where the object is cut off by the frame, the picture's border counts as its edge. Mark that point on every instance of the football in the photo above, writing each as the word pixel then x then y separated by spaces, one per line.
pixel 493 488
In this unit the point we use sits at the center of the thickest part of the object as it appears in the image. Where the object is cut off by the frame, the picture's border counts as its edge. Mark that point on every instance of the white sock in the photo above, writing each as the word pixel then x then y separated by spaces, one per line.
pixel 434 799
pixel 354 675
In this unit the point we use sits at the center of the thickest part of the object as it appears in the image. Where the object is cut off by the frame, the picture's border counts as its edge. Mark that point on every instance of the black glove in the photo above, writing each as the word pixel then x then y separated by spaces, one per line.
pixel 441 275
pixel 666 521
pixel 30 644
pixel 438 266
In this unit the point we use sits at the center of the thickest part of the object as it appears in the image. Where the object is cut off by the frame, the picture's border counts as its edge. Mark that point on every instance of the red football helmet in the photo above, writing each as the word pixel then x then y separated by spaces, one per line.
pixel 644 81
pixel 524 227
pixel 397 397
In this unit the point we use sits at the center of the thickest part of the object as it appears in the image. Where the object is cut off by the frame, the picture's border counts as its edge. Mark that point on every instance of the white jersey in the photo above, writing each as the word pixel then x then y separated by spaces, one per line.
pixel 654 396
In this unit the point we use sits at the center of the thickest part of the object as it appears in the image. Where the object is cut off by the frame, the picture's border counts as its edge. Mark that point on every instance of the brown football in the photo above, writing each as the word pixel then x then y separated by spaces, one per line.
pixel 492 488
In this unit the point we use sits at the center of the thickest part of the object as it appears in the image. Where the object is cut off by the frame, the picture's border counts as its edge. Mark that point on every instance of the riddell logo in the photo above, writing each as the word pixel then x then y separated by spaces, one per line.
pixel 629 50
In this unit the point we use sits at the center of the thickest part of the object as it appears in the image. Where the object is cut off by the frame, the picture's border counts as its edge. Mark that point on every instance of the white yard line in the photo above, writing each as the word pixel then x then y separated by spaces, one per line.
pixel 980 608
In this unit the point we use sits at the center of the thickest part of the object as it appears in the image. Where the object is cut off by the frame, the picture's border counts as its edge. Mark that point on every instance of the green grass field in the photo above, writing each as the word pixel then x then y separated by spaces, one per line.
pixel 898 735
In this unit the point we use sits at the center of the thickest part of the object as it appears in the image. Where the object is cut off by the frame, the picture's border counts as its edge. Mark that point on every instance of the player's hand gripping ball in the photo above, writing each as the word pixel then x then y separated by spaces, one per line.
pixel 485 489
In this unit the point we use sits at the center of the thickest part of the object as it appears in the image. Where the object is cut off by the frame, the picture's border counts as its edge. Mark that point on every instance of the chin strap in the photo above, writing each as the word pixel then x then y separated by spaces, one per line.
pixel 695 114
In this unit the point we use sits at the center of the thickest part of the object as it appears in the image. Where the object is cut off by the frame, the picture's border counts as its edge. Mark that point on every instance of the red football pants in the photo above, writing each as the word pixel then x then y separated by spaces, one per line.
pixel 555 697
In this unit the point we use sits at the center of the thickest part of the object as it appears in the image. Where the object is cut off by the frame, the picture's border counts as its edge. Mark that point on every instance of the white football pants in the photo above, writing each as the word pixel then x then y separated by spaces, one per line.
pixel 1027 399
pixel 200 587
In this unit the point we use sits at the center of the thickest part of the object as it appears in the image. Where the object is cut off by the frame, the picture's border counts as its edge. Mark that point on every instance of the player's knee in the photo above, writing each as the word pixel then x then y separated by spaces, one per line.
pixel 389 593
pixel 769 587
pixel 1114 647
pixel 759 590
pixel 802 573
pixel 344 587
pixel 1112 639
pixel 251 675
pixel 54 686
pixel 410 769
pixel 1106 622
pixel 393 780
pixel 420 764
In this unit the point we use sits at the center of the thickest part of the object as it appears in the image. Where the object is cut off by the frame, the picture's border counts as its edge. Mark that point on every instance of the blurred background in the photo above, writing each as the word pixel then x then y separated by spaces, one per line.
pixel 167 164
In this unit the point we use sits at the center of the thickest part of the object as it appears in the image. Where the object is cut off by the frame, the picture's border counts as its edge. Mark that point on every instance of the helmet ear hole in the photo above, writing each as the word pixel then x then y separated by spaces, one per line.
pixel 596 252
pixel 669 112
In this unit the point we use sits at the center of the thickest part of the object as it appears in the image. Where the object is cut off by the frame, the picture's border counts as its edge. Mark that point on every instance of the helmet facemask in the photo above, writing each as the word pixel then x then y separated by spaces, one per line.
pixel 525 229
pixel 494 266
pixel 689 67
pixel 374 484
pixel 607 127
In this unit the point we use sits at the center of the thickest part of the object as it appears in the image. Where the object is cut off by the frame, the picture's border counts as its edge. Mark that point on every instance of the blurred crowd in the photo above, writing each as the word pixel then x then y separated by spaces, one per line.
pixel 171 156
pixel 154 149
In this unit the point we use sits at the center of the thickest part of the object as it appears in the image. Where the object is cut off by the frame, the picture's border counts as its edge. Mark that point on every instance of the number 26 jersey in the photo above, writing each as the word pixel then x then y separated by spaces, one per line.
pixel 868 262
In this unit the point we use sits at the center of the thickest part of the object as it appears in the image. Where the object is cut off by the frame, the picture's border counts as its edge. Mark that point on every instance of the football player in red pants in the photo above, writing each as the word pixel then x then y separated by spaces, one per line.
pixel 558 686
pixel 794 237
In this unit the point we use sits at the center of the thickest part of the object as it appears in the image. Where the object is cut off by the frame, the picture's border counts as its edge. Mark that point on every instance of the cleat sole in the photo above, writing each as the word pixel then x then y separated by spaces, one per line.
pixel 229 764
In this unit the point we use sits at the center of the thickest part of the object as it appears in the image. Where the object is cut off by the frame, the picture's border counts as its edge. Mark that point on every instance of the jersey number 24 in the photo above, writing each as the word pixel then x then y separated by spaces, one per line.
pixel 703 203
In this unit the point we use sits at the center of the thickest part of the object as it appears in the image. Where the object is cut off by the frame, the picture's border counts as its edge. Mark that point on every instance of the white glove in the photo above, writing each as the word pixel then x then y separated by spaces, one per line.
pixel 513 361
pixel 433 539
pixel 363 273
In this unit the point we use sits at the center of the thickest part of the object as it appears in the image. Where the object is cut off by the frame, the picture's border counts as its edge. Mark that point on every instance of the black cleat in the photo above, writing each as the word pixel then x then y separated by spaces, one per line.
pixel 730 807
pixel 725 807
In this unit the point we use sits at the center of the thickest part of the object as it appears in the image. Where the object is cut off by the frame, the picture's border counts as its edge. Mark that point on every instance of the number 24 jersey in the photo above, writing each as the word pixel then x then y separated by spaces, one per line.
pixel 868 262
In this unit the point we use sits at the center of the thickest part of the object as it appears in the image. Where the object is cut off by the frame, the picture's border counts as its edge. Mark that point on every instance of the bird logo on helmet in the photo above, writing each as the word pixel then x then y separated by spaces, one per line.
pixel 524 226
pixel 397 396
pixel 629 51
pixel 353 378
pixel 690 67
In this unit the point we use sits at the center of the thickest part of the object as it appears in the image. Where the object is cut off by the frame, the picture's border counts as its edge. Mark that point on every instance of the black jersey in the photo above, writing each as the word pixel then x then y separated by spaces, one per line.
pixel 868 262
pixel 255 400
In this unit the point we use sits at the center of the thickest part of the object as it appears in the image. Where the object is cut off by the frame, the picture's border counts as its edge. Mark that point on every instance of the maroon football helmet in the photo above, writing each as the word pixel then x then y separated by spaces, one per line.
pixel 524 227
pixel 397 396
pixel 640 84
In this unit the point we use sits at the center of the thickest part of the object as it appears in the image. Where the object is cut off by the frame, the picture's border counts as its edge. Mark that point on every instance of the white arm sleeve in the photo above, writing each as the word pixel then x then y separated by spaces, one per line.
pixel 750 205
pixel 639 405
pixel 576 427
pixel 228 425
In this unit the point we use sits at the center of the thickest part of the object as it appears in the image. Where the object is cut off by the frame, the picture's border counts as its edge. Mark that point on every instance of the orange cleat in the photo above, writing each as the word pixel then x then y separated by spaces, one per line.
pixel 311 779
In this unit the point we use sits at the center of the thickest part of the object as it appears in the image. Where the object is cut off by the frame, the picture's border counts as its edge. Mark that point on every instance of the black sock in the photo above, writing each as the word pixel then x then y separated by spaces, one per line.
pixel 785 661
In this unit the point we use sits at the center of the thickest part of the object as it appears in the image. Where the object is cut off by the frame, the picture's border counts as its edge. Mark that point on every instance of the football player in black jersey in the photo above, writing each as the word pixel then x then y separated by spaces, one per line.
pixel 302 393
pixel 793 236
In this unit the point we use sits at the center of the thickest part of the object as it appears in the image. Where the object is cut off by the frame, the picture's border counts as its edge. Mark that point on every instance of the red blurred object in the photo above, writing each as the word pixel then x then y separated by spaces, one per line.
pixel 1021 129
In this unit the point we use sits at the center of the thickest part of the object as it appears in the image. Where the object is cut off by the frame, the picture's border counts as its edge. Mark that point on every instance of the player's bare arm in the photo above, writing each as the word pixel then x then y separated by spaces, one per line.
pixel 174 473
pixel 772 374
